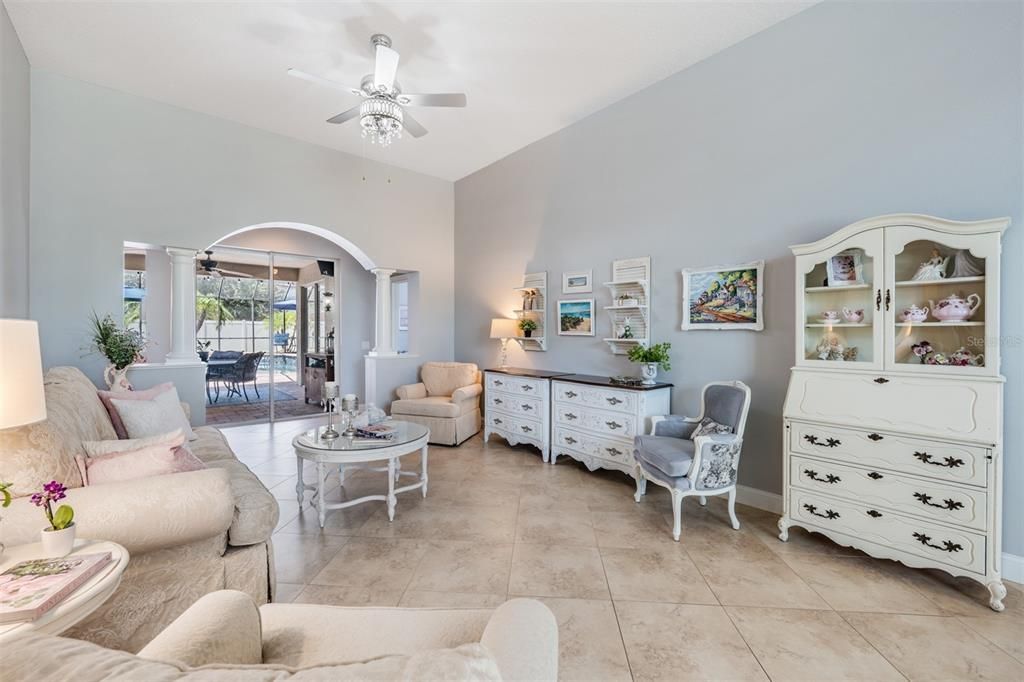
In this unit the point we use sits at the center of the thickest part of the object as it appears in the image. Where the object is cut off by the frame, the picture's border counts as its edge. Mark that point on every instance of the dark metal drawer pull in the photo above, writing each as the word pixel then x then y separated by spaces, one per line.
pixel 570 416
pixel 949 462
pixel 829 514
pixel 570 440
pixel 881 380
pixel 874 514
pixel 498 382
pixel 571 394
pixel 951 505
pixel 829 442
pixel 614 451
pixel 497 421
pixel 829 478
pixel 527 407
pixel 878 299
pixel 498 401
pixel 875 437
pixel 875 475
pixel 613 401
pixel 527 429
pixel 527 387
pixel 946 546
pixel 613 425
pixel 888 298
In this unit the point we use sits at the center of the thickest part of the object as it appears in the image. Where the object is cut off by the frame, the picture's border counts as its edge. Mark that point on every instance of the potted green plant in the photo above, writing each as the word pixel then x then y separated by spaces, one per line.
pixel 526 325
pixel 650 359
pixel 5 501
pixel 121 348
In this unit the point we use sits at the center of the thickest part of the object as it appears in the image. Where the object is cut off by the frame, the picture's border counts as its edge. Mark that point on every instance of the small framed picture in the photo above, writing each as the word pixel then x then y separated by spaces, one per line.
pixel 576 317
pixel 724 297
pixel 577 282
pixel 845 268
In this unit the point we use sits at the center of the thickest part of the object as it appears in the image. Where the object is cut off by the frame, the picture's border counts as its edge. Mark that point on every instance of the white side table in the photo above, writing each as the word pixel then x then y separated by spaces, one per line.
pixel 80 603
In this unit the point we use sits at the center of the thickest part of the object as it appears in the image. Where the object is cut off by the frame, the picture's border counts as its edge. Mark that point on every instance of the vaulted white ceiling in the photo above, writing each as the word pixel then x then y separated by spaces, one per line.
pixel 528 68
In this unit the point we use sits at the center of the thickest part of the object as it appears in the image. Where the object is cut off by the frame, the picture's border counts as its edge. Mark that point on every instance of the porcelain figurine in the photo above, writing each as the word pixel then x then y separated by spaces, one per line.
pixel 933 268
pixel 830 347
pixel 955 308
pixel 854 316
pixel 966 265
pixel 912 313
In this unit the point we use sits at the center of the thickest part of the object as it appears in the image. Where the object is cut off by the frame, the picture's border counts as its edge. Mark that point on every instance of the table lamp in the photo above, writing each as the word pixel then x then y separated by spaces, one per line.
pixel 21 374
pixel 504 328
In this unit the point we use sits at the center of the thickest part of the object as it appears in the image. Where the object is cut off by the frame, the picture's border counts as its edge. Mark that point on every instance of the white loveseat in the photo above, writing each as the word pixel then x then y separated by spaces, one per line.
pixel 188 534
pixel 446 401
pixel 225 636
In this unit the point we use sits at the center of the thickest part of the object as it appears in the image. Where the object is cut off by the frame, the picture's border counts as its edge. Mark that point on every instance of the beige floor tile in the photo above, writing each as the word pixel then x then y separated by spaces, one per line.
pixel 451 600
pixel 661 575
pixel 963 596
pixel 793 644
pixel 343 595
pixel 478 524
pixel 764 526
pixel 556 527
pixel 286 592
pixel 935 648
pixel 544 498
pixel 463 567
pixel 632 529
pixel 853 584
pixel 1005 630
pixel 373 563
pixel 288 510
pixel 589 644
pixel 338 522
pixel 297 558
pixel 684 642
pixel 557 571
pixel 756 581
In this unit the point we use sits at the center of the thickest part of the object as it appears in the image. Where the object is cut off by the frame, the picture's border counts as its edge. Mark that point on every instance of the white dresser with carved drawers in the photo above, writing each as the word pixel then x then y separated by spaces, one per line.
pixel 595 421
pixel 897 450
pixel 517 406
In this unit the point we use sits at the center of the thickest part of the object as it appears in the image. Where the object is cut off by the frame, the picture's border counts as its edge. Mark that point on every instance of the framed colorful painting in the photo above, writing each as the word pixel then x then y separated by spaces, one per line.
pixel 724 297
pixel 576 317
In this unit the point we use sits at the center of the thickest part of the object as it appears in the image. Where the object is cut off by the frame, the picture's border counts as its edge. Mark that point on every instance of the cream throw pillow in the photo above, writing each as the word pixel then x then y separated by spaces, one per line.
pixel 148 418
pixel 98 448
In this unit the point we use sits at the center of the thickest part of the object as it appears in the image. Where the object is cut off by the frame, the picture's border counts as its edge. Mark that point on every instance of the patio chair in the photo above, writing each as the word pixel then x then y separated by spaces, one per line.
pixel 243 371
pixel 215 372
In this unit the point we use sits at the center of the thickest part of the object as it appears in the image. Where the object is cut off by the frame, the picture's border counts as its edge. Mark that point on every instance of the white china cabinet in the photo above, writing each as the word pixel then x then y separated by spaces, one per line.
pixel 894 417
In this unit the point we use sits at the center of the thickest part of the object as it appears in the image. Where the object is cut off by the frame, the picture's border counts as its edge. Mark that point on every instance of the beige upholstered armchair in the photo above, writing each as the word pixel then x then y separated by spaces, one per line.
pixel 446 401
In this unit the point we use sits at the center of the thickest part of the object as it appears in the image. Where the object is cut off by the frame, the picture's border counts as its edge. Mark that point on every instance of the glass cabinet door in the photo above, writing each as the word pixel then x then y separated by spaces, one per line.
pixel 839 304
pixel 939 288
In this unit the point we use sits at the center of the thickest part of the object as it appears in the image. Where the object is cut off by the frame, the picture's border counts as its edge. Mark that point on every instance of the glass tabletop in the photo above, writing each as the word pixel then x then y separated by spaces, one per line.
pixel 404 432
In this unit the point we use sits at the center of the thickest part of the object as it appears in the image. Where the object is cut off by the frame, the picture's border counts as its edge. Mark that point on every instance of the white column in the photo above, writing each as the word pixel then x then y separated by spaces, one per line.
pixel 183 306
pixel 382 339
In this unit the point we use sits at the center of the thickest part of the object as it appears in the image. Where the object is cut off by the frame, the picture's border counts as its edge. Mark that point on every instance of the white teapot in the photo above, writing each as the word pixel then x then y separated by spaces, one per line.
pixel 912 313
pixel 955 308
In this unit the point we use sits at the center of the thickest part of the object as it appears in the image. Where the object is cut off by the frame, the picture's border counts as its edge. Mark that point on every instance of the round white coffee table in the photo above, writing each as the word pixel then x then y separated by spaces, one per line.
pixel 80 603
pixel 345 452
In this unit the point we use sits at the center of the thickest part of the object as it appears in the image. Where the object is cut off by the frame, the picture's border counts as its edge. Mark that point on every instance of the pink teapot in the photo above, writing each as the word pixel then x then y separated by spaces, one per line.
pixel 955 308
pixel 854 316
pixel 913 313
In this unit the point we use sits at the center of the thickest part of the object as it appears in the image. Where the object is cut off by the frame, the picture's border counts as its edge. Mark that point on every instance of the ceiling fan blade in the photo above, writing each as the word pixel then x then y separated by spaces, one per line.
pixel 234 273
pixel 322 81
pixel 414 127
pixel 448 99
pixel 345 115
pixel 385 68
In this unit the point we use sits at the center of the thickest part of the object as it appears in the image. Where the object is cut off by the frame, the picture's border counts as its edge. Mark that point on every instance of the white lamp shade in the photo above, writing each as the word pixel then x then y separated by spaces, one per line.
pixel 504 328
pixel 21 374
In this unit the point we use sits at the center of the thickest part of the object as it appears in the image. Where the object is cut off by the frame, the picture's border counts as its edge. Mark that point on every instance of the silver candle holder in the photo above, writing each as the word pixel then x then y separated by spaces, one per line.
pixel 330 394
pixel 350 405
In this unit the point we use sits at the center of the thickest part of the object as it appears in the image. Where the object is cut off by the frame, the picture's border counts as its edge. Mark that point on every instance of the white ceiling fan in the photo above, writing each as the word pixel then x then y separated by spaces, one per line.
pixel 381 113
pixel 208 266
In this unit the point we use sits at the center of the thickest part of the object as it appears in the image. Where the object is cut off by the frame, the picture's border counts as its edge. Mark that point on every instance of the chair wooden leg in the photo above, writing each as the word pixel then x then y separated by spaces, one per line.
pixel 732 509
pixel 677 514
pixel 641 484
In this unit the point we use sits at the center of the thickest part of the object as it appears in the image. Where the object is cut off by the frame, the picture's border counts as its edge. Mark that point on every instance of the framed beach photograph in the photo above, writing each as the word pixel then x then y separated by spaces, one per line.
pixel 845 268
pixel 724 297
pixel 576 317
pixel 577 282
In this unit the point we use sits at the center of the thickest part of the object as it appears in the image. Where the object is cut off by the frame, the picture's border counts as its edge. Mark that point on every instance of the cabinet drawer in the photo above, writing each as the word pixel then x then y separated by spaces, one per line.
pixel 509 402
pixel 884 489
pixel 591 396
pixel 610 423
pixel 526 428
pixel 917 537
pixel 516 385
pixel 595 446
pixel 946 461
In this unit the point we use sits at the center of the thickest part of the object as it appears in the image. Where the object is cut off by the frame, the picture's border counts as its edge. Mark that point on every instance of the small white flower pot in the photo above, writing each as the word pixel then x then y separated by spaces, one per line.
pixel 58 543
pixel 649 371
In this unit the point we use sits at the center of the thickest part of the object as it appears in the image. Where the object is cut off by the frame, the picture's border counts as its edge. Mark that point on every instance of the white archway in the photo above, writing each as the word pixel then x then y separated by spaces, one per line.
pixel 329 235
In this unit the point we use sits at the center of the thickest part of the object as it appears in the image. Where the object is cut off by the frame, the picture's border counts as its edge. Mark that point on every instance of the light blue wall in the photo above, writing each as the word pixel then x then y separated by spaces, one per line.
pixel 845 111
pixel 14 171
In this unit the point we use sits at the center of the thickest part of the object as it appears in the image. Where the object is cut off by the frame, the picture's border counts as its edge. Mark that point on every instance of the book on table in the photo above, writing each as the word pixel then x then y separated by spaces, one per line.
pixel 31 588
pixel 376 431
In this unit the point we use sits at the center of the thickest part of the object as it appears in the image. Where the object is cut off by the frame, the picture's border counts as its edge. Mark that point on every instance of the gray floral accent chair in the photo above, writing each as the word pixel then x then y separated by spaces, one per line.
pixel 696 455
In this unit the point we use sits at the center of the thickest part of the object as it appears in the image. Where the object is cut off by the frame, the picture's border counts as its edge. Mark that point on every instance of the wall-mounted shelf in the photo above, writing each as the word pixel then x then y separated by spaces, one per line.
pixel 534 289
pixel 631 278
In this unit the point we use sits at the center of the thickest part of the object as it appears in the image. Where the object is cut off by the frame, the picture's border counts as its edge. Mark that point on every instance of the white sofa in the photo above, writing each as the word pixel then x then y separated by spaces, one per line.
pixel 188 534
pixel 446 401
pixel 225 636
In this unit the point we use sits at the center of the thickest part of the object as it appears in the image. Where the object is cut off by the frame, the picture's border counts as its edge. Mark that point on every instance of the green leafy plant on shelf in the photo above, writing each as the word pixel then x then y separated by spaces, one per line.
pixel 656 354
pixel 526 325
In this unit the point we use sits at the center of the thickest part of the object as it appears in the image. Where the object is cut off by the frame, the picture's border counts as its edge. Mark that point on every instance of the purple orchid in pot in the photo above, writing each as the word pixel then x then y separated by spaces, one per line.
pixel 59 537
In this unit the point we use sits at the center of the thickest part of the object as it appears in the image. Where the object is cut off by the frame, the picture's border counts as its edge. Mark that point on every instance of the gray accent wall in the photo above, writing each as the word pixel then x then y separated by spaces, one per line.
pixel 14 171
pixel 839 113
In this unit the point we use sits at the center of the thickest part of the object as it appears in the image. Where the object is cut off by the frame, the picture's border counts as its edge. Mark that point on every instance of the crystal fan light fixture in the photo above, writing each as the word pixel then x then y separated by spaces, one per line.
pixel 381 118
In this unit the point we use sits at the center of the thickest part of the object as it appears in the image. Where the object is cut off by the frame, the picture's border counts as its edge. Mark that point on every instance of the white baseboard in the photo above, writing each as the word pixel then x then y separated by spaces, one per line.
pixel 1013 565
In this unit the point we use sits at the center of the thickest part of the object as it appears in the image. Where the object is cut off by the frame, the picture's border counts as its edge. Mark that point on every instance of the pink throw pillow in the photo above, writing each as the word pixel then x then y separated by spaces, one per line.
pixel 154 460
pixel 115 418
